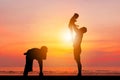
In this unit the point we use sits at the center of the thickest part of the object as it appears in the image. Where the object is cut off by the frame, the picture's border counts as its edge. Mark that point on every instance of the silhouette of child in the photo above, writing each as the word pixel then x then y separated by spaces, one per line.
pixel 72 23
pixel 39 55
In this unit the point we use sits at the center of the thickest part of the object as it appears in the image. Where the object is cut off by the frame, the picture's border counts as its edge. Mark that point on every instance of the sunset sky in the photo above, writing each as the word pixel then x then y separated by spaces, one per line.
pixel 25 24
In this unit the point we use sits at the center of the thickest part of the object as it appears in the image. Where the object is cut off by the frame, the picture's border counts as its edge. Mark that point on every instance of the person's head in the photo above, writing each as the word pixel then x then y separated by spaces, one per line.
pixel 44 49
pixel 83 29
pixel 76 15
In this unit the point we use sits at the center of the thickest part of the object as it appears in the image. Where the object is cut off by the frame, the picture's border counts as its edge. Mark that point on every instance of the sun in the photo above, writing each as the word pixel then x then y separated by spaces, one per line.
pixel 67 37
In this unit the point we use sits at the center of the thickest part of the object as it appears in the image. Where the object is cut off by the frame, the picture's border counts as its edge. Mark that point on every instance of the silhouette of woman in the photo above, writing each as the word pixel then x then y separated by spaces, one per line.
pixel 39 55
pixel 77 41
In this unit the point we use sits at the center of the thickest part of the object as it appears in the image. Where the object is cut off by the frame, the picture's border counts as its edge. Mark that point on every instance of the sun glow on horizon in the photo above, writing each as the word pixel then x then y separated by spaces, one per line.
pixel 66 37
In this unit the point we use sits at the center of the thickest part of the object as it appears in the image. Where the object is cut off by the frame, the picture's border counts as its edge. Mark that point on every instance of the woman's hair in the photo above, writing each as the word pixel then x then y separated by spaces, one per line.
pixel 44 49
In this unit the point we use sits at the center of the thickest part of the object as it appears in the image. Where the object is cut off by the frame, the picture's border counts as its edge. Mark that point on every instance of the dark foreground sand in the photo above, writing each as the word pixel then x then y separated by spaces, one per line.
pixel 60 78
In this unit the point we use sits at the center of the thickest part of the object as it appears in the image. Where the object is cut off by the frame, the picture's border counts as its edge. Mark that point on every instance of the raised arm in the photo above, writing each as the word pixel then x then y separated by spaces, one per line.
pixel 75 28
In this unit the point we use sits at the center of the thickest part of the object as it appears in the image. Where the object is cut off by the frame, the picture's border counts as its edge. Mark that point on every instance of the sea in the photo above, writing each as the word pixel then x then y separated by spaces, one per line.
pixel 62 71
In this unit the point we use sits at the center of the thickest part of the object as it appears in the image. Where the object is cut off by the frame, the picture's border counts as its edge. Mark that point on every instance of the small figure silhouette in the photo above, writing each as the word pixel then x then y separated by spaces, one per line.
pixel 72 23
pixel 77 41
pixel 39 55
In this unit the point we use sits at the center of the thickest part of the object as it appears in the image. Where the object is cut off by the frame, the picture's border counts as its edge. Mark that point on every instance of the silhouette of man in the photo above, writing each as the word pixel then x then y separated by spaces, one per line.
pixel 77 41
pixel 39 55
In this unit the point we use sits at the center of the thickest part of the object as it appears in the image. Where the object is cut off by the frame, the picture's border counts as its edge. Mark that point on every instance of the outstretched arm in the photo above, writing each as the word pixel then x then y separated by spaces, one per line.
pixel 75 28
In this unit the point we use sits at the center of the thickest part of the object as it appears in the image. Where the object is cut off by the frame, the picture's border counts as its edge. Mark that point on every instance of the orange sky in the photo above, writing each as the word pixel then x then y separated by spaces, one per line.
pixel 33 23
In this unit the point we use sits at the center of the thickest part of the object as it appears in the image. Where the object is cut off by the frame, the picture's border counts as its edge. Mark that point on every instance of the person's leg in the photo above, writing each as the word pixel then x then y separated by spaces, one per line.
pixel 40 67
pixel 28 66
pixel 77 52
pixel 79 65
pixel 25 73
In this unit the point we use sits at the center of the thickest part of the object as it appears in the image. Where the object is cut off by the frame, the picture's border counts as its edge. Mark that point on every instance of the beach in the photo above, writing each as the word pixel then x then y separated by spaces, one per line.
pixel 61 71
